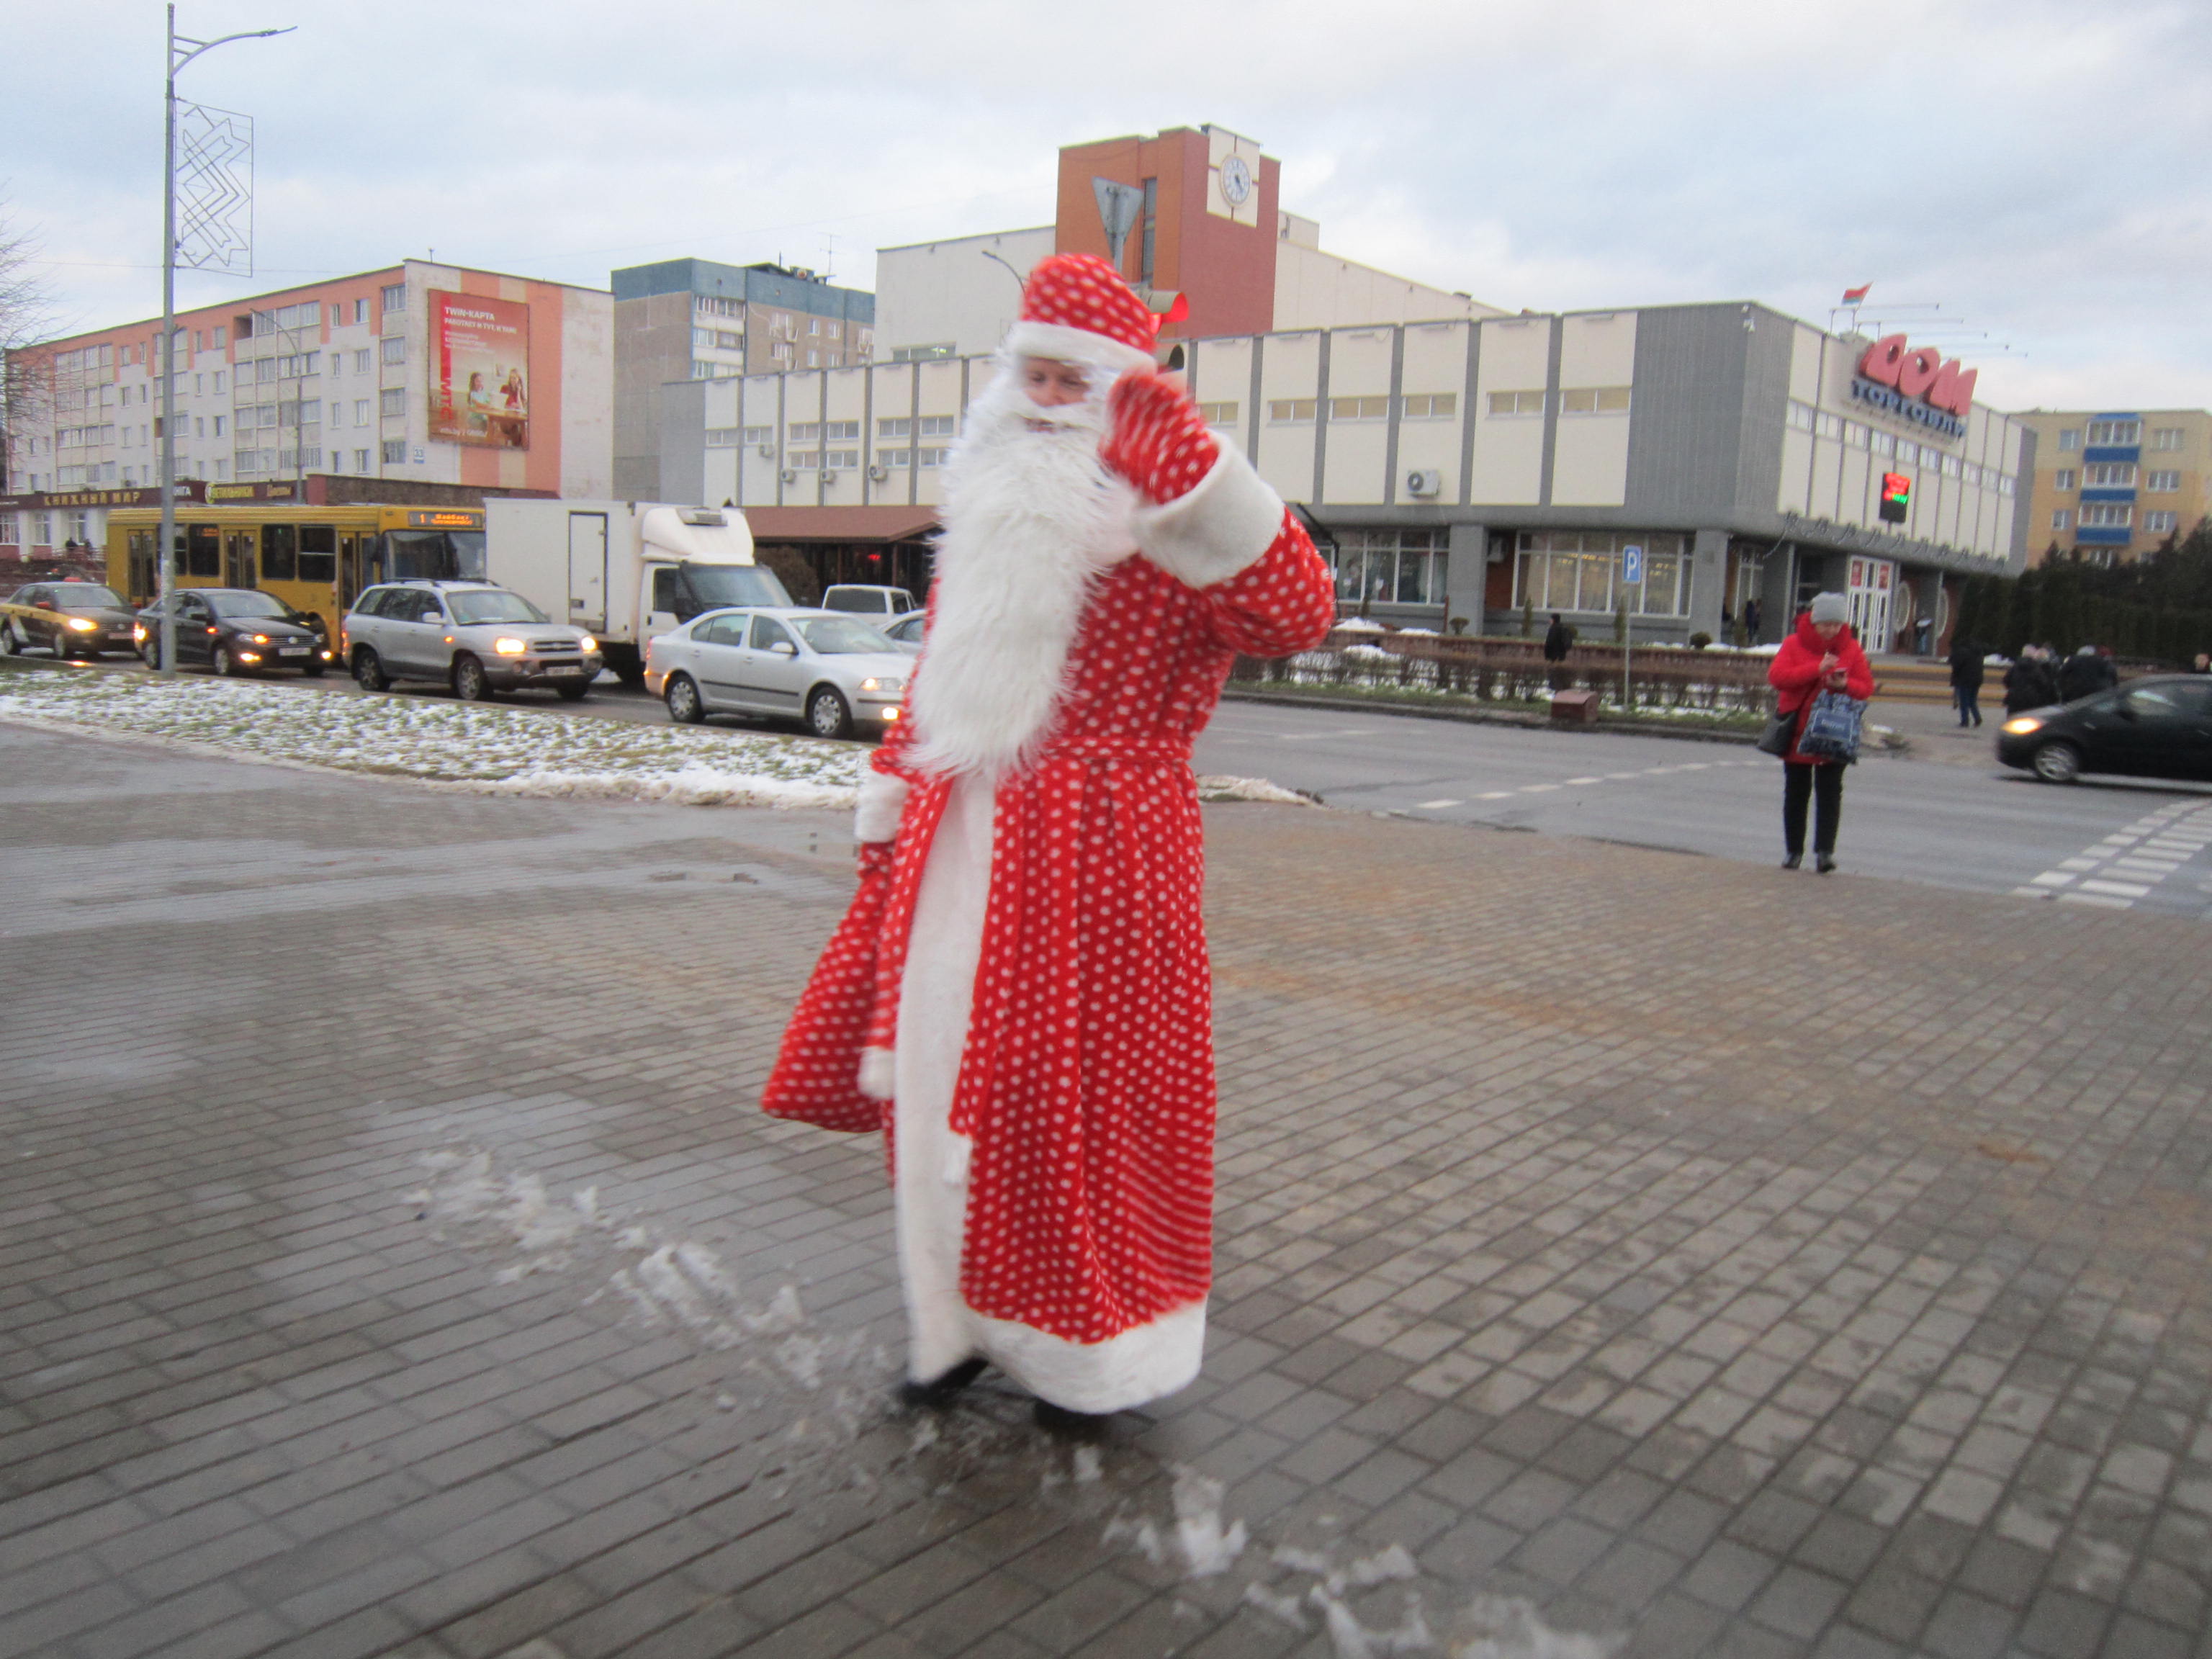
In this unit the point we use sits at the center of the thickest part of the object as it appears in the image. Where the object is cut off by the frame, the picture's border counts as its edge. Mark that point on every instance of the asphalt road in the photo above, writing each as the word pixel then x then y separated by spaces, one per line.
pixel 2111 843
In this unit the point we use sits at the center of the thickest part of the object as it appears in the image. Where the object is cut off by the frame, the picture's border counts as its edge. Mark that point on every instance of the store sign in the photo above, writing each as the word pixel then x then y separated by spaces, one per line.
pixel 479 371
pixel 1916 384
pixel 38 500
pixel 289 490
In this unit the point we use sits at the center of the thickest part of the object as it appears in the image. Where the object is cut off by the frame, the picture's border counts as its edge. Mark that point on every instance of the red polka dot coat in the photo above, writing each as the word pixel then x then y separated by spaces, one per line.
pixel 1086 1085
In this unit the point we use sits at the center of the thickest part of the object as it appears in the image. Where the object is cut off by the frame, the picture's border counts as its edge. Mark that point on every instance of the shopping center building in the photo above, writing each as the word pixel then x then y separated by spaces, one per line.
pixel 418 374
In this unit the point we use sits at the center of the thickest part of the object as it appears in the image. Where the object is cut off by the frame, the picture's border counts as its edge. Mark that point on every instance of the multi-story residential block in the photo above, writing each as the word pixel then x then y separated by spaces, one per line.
pixel 694 319
pixel 424 373
pixel 2116 483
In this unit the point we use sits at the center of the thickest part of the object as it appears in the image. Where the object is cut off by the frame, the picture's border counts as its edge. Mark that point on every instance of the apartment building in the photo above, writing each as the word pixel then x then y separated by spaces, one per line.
pixel 2114 484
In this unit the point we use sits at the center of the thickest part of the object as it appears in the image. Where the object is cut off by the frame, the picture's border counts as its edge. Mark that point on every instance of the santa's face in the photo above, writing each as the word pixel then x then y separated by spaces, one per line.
pixel 1051 384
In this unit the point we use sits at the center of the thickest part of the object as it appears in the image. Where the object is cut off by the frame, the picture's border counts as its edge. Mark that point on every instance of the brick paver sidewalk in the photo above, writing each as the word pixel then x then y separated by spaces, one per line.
pixel 1613 1245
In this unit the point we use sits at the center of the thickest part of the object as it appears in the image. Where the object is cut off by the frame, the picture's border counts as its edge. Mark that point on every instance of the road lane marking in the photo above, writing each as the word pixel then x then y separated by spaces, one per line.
pixel 2171 836
pixel 1309 736
pixel 1438 806
pixel 1577 783
pixel 2117 889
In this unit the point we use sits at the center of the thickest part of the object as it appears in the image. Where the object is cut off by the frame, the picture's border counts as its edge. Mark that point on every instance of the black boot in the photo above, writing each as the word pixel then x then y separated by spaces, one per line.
pixel 939 1393
pixel 1075 1426
pixel 1793 860
pixel 1824 862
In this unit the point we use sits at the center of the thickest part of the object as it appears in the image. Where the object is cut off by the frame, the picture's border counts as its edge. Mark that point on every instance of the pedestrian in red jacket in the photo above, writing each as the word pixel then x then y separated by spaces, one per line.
pixel 1821 655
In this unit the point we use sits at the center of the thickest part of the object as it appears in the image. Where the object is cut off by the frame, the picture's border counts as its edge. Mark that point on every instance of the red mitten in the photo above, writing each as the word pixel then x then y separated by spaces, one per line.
pixel 1158 440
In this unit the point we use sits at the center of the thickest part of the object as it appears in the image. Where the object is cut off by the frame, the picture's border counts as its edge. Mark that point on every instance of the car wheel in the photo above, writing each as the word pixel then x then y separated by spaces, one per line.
pixel 368 670
pixel 682 698
pixel 470 684
pixel 573 693
pixel 11 642
pixel 226 666
pixel 150 654
pixel 827 716
pixel 2058 762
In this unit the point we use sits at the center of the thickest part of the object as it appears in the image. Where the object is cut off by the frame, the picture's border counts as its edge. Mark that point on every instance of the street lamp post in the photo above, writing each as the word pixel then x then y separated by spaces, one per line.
pixel 165 552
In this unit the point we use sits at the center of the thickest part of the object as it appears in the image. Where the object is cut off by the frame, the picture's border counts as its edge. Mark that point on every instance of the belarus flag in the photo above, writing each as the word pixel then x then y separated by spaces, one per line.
pixel 1853 295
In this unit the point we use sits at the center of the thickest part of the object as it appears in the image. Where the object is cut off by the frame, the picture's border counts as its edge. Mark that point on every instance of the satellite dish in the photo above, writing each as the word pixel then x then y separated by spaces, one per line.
pixel 1119 205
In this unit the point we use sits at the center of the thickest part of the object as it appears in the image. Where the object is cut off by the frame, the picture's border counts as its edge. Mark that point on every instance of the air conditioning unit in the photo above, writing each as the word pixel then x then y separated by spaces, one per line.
pixel 1423 481
pixel 768 452
pixel 790 475
pixel 828 477
pixel 879 473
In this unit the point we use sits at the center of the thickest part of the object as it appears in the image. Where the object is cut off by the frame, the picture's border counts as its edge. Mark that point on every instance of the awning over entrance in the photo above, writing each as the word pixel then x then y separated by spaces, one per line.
pixel 800 525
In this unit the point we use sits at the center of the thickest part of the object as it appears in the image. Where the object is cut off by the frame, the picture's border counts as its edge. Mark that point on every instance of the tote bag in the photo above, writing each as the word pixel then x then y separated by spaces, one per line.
pixel 1831 731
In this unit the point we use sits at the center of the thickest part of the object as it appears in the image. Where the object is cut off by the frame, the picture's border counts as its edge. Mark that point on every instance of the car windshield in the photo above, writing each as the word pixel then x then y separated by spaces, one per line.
pixel 841 636
pixel 73 596
pixel 715 585
pixel 250 604
pixel 482 604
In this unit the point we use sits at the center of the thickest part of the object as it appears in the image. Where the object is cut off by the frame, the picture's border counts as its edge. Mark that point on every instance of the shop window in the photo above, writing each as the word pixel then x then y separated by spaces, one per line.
pixel 1580 570
pixel 1389 566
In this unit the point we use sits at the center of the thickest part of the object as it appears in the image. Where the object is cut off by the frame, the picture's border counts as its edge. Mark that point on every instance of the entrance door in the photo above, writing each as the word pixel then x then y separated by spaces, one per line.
pixel 1872 587
pixel 238 562
pixel 587 569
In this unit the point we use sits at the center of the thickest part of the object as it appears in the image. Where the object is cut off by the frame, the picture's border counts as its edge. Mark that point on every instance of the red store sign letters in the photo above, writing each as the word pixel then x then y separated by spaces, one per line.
pixel 1920 373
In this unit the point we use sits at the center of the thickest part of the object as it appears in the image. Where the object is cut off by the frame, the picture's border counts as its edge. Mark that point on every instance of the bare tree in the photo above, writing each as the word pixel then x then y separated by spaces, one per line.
pixel 26 315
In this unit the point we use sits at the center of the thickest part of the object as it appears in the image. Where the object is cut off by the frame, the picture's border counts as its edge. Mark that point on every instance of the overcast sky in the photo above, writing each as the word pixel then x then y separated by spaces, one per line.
pixel 2039 170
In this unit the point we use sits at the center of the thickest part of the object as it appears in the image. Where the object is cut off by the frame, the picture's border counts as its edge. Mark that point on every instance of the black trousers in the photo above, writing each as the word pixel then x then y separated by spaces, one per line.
pixel 1823 786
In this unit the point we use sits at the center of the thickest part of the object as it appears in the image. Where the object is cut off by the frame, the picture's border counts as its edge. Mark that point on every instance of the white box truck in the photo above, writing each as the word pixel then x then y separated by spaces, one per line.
pixel 626 571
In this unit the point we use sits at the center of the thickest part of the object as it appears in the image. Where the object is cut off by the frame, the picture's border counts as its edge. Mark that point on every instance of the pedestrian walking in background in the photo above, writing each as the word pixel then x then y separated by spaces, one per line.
pixel 1556 640
pixel 2030 682
pixel 1751 621
pixel 2086 673
pixel 1019 993
pixel 1966 681
pixel 1820 655
pixel 2203 665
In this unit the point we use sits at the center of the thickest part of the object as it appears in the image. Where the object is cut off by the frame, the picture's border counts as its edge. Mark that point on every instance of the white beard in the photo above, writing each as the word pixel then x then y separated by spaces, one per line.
pixel 1032 518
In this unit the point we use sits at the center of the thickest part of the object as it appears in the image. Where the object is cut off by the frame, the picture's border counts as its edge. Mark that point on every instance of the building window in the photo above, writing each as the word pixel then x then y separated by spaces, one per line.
pixel 895 457
pixel 1391 566
pixel 360 363
pixel 803 432
pixel 1881 443
pixel 780 350
pixel 1855 435
pixel 1825 425
pixel 722 437
pixel 938 426
pixel 2062 520
pixel 2064 478
pixel 215 339
pixel 930 457
pixel 395 452
pixel 361 460
pixel 395 348
pixel 1594 400
pixel 726 341
pixel 1799 415
pixel 814 325
pixel 903 428
pixel 848 431
pixel 714 305
pixel 2165 437
pixel 2160 482
pixel 391 403
pixel 804 460
pixel 360 315
pixel 841 458
pixel 1517 402
pixel 2108 515
pixel 1290 411
pixel 1217 414
pixel 920 354
pixel 813 358
pixel 395 299
pixel 2109 474
pixel 1358 409
pixel 1580 570
pixel 702 340
pixel 2070 438
pixel 759 435
pixel 2159 524
pixel 1428 405
pixel 2114 432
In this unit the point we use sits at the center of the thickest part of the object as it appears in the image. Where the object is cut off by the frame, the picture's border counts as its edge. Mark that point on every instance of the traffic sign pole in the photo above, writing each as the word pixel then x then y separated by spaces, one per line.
pixel 1631 575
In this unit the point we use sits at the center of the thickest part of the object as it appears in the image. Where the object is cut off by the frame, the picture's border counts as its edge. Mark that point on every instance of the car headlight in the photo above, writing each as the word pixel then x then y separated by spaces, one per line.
pixel 510 647
pixel 2023 725
pixel 261 639
pixel 587 644
pixel 83 624
pixel 881 684
pixel 139 632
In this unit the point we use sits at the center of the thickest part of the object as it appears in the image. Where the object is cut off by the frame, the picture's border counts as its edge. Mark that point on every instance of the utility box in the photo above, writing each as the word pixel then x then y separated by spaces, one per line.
pixel 1575 707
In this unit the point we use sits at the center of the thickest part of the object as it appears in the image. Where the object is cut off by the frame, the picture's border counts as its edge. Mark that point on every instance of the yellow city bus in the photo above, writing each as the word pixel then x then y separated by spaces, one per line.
pixel 316 559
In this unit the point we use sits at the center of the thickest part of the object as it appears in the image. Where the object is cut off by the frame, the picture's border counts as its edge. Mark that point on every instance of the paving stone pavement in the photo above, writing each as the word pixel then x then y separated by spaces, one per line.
pixel 1620 1252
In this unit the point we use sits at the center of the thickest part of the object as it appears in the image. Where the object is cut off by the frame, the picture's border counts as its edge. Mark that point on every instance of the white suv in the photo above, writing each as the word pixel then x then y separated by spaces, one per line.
pixel 477 638
pixel 860 600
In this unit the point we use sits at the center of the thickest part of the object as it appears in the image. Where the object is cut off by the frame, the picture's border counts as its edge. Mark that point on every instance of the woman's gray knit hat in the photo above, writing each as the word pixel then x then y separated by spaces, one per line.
pixel 1831 607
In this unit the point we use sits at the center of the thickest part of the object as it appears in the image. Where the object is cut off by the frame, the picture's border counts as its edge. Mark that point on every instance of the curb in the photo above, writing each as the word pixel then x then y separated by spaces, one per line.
pixel 1485 717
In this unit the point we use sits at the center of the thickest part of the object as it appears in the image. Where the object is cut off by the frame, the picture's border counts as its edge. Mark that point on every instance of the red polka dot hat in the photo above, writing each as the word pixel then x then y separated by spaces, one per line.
pixel 1076 308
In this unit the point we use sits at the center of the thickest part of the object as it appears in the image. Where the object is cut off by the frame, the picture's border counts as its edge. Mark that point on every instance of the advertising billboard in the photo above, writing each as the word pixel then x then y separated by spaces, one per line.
pixel 479 370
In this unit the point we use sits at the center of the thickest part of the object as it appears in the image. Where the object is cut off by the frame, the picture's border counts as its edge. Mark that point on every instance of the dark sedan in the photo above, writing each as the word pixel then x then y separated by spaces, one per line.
pixel 234 630
pixel 2157 727
pixel 71 619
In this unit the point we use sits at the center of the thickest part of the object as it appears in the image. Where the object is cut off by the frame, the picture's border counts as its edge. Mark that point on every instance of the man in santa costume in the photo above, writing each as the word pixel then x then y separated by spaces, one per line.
pixel 1019 994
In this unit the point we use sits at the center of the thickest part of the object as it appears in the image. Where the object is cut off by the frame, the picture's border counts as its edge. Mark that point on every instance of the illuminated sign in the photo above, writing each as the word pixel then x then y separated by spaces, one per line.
pixel 1896 497
pixel 445 520
pixel 1916 384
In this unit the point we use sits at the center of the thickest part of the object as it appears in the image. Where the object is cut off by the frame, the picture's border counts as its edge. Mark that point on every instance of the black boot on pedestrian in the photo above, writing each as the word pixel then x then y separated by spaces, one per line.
pixel 1824 862
pixel 1793 860
pixel 938 1393
pixel 1073 1425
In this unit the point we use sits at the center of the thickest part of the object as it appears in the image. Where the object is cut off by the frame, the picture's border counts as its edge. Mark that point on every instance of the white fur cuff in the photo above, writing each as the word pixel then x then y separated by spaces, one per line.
pixel 1065 344
pixel 876 1070
pixel 1221 524
pixel 883 798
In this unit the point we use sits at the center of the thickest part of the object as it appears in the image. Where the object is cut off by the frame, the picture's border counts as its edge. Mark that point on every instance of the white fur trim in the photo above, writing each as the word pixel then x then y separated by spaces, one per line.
pixel 876 1073
pixel 935 993
pixel 883 798
pixel 1065 344
pixel 1222 524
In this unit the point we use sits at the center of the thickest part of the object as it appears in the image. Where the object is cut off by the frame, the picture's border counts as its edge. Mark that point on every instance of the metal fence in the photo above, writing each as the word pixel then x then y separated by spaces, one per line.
pixel 1514 671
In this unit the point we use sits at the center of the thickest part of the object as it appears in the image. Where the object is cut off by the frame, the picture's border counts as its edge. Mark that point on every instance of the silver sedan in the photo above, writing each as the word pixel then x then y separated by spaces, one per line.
pixel 829 669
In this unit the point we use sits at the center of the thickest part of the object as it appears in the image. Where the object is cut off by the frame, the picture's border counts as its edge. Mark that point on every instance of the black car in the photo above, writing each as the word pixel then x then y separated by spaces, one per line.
pixel 2160 726
pixel 234 630
pixel 69 619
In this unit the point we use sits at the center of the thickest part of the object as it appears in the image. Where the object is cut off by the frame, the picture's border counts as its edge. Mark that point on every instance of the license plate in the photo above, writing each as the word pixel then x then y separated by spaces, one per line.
pixel 565 669
pixel 292 650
